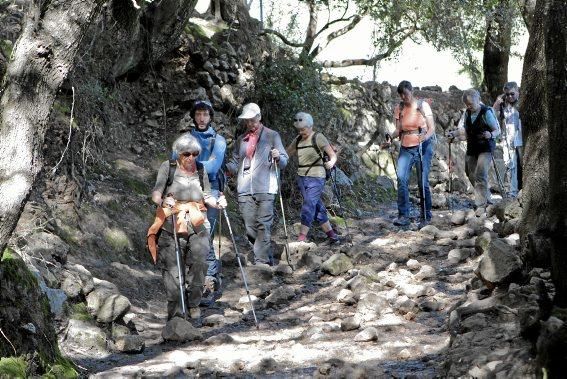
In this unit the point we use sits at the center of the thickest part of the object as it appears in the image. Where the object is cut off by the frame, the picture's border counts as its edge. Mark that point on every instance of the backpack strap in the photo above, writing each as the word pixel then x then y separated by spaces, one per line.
pixel 170 174
pixel 315 147
pixel 201 172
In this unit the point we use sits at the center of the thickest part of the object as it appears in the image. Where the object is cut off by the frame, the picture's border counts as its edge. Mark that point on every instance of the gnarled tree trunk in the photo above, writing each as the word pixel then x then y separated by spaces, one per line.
pixel 42 58
pixel 497 45
pixel 535 116
pixel 556 88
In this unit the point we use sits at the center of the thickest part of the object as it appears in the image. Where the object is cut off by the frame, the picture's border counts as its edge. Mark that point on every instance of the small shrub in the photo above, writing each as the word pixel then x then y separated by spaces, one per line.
pixel 13 367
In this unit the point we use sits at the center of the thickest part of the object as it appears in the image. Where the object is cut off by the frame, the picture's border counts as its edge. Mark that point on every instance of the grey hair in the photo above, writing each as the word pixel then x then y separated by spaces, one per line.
pixel 186 143
pixel 510 85
pixel 471 94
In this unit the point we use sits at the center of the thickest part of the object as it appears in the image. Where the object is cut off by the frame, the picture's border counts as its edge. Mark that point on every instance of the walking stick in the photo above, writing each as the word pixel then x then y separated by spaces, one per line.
pixel 283 216
pixel 498 178
pixel 240 265
pixel 180 271
pixel 220 239
pixel 338 196
pixel 421 185
pixel 450 168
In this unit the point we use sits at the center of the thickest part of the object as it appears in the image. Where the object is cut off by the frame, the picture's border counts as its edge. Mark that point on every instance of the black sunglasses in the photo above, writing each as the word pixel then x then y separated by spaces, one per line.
pixel 188 154
pixel 297 119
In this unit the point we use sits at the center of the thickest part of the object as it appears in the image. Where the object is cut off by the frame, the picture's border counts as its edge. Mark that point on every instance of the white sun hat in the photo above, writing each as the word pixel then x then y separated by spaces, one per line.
pixel 250 110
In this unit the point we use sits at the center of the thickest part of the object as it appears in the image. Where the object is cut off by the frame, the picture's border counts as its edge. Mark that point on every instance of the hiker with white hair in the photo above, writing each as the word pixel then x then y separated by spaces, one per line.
pixel 315 157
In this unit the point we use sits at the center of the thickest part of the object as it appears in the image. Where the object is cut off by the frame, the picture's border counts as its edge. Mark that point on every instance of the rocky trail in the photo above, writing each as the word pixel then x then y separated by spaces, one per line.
pixel 377 307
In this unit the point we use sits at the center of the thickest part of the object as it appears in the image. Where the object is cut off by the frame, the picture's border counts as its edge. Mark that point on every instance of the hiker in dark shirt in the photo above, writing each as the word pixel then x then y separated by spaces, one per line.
pixel 479 127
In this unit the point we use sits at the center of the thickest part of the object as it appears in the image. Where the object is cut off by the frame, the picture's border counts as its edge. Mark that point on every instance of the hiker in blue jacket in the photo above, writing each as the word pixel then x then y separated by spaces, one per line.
pixel 213 148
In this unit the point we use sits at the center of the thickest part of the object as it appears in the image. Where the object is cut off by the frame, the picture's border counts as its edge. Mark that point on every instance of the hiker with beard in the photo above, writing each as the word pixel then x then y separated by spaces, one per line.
pixel 182 191
pixel 506 108
pixel 253 158
pixel 213 148
pixel 311 174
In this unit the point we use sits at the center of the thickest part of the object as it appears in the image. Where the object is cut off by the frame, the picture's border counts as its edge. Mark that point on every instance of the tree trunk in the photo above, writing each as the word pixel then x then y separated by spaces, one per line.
pixel 43 56
pixel 535 117
pixel 497 45
pixel 556 83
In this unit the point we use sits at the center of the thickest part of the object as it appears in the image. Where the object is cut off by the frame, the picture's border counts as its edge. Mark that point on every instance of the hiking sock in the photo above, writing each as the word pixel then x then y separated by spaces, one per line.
pixel 301 238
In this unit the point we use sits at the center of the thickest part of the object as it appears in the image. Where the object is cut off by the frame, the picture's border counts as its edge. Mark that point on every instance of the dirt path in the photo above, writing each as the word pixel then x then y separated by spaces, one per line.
pixel 308 319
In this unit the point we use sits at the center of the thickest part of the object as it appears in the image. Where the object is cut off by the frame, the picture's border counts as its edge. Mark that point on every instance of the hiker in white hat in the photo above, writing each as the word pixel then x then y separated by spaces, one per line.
pixel 253 159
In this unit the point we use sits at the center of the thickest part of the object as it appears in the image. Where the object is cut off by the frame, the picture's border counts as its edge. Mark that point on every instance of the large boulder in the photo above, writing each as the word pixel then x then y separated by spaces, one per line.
pixel 88 336
pixel 500 265
pixel 180 330
pixel 508 209
pixel 77 281
pixel 113 308
pixel 336 265
pixel 48 246
pixel 371 306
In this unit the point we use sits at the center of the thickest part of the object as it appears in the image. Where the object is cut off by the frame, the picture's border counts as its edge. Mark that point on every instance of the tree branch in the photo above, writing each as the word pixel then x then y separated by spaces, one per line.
pixel 336 34
pixel 282 38
pixel 376 58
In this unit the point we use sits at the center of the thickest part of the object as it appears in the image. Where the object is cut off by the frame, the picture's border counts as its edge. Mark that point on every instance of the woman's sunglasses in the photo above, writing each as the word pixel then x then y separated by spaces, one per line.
pixel 188 154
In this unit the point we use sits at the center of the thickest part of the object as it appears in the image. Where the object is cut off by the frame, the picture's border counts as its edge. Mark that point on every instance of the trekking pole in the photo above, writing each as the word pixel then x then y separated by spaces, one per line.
pixel 283 216
pixel 450 168
pixel 179 263
pixel 338 196
pixel 504 136
pixel 240 265
pixel 421 185
pixel 498 178
pixel 220 239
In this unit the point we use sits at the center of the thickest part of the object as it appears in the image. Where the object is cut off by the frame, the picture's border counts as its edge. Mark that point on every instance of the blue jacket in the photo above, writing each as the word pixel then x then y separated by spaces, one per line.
pixel 211 157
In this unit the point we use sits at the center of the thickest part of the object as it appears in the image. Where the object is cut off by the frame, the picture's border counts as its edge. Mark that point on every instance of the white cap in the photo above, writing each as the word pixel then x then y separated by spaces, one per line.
pixel 250 110
pixel 303 120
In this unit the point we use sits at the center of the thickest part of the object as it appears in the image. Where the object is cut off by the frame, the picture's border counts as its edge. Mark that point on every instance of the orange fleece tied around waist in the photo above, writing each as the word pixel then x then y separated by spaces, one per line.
pixel 192 209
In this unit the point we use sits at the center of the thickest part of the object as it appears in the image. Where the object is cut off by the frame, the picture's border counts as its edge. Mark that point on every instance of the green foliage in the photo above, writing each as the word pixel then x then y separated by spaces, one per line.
pixel 13 367
pixel 6 47
pixel 16 271
pixel 117 239
pixel 456 26
pixel 80 312
pixel 284 88
pixel 64 368
pixel 58 367
pixel 137 186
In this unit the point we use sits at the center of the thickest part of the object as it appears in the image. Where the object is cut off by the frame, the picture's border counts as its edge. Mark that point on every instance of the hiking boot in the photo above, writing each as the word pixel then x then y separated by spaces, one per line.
pixel 402 221
pixel 333 241
pixel 423 223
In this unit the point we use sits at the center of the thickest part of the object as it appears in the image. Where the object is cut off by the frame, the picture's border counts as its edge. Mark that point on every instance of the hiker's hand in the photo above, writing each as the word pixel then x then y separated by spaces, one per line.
pixel 275 154
pixel 169 201
pixel 487 135
pixel 452 135
pixel 221 202
pixel 328 165
pixel 498 102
